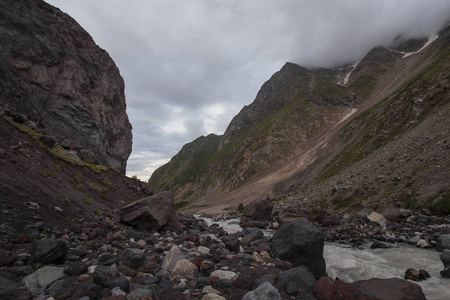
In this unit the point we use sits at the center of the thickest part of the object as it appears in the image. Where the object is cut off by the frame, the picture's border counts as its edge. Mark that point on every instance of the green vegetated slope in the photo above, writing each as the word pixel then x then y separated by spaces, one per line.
pixel 376 159
pixel 394 153
pixel 292 108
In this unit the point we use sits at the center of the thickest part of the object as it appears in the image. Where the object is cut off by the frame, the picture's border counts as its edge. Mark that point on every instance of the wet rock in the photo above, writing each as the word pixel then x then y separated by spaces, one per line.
pixel 445 258
pixel 258 210
pixel 423 244
pixel 443 242
pixel 326 289
pixel 294 279
pixel 265 291
pixel 49 251
pixel 414 275
pixel 377 245
pixel 301 243
pixel 150 213
pixel 39 280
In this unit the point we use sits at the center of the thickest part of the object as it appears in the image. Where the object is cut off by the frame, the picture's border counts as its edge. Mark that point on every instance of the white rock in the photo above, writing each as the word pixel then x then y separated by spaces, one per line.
pixel 184 269
pixel 224 274
pixel 379 219
pixel 209 289
pixel 423 244
pixel 213 297
pixel 38 281
pixel 203 250
pixel 171 258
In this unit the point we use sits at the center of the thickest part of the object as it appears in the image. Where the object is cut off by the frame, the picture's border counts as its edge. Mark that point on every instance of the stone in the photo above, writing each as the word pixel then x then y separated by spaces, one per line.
pixel 6 258
pixel 32 231
pixel 212 296
pixel 49 251
pixel 252 236
pixel 38 281
pixel 265 291
pixel 133 258
pixel 221 274
pixel 301 243
pixel 413 274
pixel 327 289
pixel 79 250
pixel 297 278
pixel 184 269
pixel 171 258
pixel 443 242
pixel 392 288
pixel 203 250
pixel 378 219
pixel 103 275
pixel 231 243
pixel 258 210
pixel 150 213
pixel 210 289
pixel 423 244
pixel 140 294
pixel 445 258
pixel 206 264
pixel 80 88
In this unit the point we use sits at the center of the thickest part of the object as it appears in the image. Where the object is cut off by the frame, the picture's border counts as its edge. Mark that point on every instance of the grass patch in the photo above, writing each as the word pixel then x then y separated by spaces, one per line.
pixel 86 201
pixel 181 204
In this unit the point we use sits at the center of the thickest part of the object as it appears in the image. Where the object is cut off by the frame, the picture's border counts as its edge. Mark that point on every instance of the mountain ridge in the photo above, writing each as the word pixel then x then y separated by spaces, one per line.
pixel 376 77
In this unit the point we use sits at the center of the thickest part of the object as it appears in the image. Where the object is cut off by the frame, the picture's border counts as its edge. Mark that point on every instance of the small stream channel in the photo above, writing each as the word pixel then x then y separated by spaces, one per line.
pixel 350 264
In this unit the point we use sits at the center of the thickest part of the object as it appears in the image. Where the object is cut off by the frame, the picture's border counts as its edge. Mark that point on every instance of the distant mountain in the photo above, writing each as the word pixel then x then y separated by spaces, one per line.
pixel 372 134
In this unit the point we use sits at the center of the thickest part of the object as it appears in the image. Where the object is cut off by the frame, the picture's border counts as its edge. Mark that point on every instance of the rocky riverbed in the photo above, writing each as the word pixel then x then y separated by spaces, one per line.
pixel 188 259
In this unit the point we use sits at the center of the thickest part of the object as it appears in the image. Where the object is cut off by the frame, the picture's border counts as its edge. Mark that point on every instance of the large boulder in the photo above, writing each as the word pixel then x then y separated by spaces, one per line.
pixel 392 288
pixel 445 258
pixel 55 74
pixel 443 243
pixel 150 213
pixel 265 291
pixel 38 281
pixel 294 279
pixel 380 289
pixel 301 243
pixel 258 210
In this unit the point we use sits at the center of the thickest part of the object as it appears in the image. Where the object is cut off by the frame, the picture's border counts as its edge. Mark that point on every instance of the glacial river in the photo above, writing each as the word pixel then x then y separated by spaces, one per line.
pixel 350 264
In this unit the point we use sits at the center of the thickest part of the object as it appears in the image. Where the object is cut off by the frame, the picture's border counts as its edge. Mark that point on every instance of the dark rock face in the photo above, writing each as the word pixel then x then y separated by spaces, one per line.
pixel 150 213
pixel 49 251
pixel 327 289
pixel 258 210
pixel 301 243
pixel 55 74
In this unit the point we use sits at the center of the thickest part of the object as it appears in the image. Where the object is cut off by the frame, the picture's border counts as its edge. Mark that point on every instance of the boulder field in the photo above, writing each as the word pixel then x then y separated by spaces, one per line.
pixel 182 258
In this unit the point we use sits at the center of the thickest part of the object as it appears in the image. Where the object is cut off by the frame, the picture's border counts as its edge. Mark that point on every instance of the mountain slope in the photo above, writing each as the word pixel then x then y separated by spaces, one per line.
pixel 300 142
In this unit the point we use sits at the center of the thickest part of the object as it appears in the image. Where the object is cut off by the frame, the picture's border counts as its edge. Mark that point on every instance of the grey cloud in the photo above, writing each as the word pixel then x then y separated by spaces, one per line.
pixel 179 58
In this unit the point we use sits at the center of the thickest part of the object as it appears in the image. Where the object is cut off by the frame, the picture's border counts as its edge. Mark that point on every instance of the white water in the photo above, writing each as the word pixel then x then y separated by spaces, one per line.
pixel 350 265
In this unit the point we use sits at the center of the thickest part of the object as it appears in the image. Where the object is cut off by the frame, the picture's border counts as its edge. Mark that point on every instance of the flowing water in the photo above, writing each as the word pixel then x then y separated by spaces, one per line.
pixel 350 264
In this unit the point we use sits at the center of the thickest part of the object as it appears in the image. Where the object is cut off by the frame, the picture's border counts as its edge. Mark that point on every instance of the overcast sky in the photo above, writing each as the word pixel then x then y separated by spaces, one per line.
pixel 190 66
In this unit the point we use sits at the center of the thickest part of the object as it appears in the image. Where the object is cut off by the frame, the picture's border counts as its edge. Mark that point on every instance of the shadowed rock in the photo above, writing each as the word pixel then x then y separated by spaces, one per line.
pixel 150 213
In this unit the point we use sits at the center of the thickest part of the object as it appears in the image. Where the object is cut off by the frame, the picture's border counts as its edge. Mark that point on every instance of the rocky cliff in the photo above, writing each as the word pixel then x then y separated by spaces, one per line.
pixel 54 74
